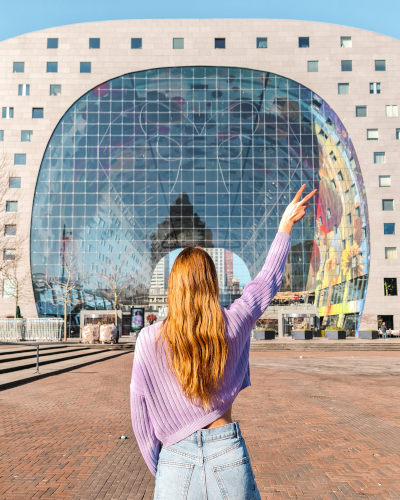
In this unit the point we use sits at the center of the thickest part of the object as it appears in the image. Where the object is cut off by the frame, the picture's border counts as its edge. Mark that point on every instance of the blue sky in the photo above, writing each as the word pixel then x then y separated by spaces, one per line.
pixel 24 16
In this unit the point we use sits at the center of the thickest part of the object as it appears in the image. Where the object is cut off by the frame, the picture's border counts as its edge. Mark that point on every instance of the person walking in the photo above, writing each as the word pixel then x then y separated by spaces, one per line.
pixel 189 369
pixel 383 330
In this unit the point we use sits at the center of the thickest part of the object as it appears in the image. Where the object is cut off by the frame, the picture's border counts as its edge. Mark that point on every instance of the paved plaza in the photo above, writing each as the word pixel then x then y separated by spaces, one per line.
pixel 325 426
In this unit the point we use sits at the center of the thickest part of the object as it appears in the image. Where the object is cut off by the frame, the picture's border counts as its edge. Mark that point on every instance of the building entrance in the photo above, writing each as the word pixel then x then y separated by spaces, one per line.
pixel 296 321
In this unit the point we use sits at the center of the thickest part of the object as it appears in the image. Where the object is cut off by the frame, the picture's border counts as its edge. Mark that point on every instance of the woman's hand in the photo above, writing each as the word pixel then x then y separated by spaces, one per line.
pixel 295 211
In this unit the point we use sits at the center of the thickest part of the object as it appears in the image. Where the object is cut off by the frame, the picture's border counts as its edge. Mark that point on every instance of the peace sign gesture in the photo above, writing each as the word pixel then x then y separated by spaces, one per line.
pixel 295 211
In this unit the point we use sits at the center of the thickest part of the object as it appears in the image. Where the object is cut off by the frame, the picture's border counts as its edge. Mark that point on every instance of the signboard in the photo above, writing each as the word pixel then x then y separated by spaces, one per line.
pixel 137 319
pixel 296 296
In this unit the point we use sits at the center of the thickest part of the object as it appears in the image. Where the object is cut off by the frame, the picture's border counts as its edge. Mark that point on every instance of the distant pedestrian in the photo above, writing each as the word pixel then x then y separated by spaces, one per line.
pixel 383 330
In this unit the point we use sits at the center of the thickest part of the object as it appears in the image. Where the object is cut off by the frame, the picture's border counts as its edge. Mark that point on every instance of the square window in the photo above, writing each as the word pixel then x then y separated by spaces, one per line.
pixel 23 89
pixel 392 111
pixel 52 67
pixel 136 43
pixel 86 67
pixel 347 65
pixel 374 88
pixel 10 230
pixel 390 253
pixel 8 254
pixel 345 42
pixel 343 88
pixel 14 182
pixel 94 43
pixel 379 158
pixel 37 112
pixel 262 43
pixel 389 228
pixel 18 67
pixel 384 181
pixel 26 135
pixel 388 205
pixel 9 288
pixel 7 112
pixel 178 43
pixel 390 286
pixel 20 159
pixel 1 135
pixel 372 134
pixel 219 43
pixel 52 43
pixel 304 42
pixel 380 65
pixel 11 206
pixel 55 89
pixel 312 66
pixel 361 111
pixel 357 212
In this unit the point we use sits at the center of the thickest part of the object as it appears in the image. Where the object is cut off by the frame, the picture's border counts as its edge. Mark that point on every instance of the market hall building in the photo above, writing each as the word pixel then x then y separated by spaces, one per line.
pixel 158 134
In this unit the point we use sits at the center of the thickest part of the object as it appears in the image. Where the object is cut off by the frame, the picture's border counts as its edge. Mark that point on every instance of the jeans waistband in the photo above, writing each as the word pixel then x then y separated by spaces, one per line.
pixel 216 433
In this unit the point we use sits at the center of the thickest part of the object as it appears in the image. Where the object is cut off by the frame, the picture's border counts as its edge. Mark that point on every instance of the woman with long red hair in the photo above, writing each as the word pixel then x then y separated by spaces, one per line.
pixel 188 370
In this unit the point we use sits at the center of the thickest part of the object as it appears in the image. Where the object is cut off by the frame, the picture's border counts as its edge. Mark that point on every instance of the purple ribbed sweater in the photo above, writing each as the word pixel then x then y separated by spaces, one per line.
pixel 160 411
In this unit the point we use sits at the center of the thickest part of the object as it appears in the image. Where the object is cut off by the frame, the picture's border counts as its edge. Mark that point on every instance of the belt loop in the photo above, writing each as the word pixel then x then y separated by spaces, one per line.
pixel 237 430
pixel 199 442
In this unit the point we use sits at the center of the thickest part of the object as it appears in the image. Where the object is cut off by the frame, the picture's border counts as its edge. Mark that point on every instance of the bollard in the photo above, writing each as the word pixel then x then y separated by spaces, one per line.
pixel 37 359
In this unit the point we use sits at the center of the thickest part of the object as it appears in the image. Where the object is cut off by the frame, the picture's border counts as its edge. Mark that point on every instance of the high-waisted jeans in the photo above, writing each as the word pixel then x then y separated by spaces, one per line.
pixel 210 464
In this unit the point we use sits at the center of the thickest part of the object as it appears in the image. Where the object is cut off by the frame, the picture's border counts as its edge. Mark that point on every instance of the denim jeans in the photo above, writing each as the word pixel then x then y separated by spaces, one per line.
pixel 210 464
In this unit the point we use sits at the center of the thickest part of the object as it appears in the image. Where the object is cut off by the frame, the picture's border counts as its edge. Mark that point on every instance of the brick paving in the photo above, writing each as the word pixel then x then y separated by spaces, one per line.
pixel 322 427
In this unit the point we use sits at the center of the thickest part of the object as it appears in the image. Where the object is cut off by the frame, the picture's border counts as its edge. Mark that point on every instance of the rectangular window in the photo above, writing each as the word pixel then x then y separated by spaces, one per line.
pixel 304 42
pixel 23 89
pixel 14 182
pixel 347 195
pixel 390 253
pixel 374 88
pixel 397 134
pixel 328 213
pixel 219 43
pixel 94 43
pixel 357 212
pixel 9 288
pixel 354 261
pixel 37 112
pixel 340 175
pixel 18 67
pixel 391 111
pixel 312 66
pixel 334 229
pixel 26 135
pixel 389 228
pixel 86 67
pixel 333 184
pixel 11 206
pixel 10 230
pixel 20 159
pixel 372 134
pixel 55 89
pixel 52 67
pixel 353 163
pixel 343 244
pixel 178 43
pixel 52 43
pixel 343 88
pixel 390 286
pixel 347 65
pixel 348 219
pixel 1 135
pixel 363 233
pixel 345 42
pixel 379 158
pixel 388 205
pixel 332 156
pixel 262 43
pixel 353 190
pixel 8 254
pixel 380 65
pixel 351 240
pixel 136 43
pixel 7 112
pixel 384 181
pixel 361 111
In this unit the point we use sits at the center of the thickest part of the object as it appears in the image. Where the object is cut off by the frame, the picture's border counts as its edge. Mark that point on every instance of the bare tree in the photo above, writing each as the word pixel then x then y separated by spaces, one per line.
pixel 369 322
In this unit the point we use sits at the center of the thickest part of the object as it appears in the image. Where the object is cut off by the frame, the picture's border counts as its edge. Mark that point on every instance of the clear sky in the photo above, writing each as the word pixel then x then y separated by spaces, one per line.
pixel 23 16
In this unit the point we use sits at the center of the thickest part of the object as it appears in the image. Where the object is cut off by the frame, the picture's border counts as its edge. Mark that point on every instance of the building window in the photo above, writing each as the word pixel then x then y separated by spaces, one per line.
pixel 379 158
pixel 388 205
pixel 86 67
pixel 389 228
pixel 353 190
pixel 357 212
pixel 363 233
pixel 136 43
pixel 343 88
pixel 312 66
pixel 334 229
pixel 347 65
pixel 37 112
pixel 262 43
pixel 219 43
pixel 349 219
pixel 9 254
pixel 380 65
pixel 391 111
pixel 390 253
pixel 9 288
pixel 374 88
pixel 304 42
pixel 52 67
pixel 351 240
pixel 328 213
pixel 340 176
pixel 390 286
pixel 23 89
pixel 20 159
pixel 347 195
pixel 18 67
pixel 14 182
pixel 55 89
pixel 52 43
pixel 1 135
pixel 7 112
pixel 372 134
pixel 345 42
pixel 332 156
pixel 10 230
pixel 333 184
pixel 397 134
pixel 178 43
pixel 94 43
pixel 384 181
pixel 361 111
pixel 11 206
pixel 26 135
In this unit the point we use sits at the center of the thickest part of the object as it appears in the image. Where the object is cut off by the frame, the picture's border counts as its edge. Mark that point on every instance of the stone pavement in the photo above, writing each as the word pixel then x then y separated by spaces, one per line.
pixel 322 427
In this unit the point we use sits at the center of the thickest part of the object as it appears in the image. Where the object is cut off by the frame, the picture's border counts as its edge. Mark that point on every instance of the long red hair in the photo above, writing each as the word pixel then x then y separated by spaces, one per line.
pixel 193 334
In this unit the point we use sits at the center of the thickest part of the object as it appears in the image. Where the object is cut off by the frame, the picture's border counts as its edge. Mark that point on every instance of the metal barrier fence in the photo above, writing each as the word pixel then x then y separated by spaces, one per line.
pixel 47 329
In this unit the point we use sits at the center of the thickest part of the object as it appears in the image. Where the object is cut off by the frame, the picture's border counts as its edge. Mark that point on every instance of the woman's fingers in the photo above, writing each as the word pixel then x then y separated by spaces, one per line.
pixel 299 193
pixel 308 197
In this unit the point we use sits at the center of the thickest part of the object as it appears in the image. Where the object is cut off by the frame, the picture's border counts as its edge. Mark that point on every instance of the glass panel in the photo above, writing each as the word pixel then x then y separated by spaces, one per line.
pixel 390 253
pixel 52 43
pixel 343 88
pixel 372 134
pixel 52 67
pixel 55 90
pixel 37 112
pixel 220 43
pixel 380 65
pixel 389 228
pixel 18 67
pixel 86 67
pixel 136 43
pixel 26 135
pixel 10 230
pixel 345 42
pixel 361 111
pixel 387 205
pixel 379 158
pixel 262 43
pixel 347 65
pixel 178 43
pixel 384 181
pixel 1 135
pixel 312 66
pixel 20 159
pixel 304 42
pixel 14 182
pixel 94 43
pixel 12 206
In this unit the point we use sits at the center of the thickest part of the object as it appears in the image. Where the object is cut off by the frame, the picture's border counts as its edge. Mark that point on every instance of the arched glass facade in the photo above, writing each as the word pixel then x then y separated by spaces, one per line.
pixel 210 156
